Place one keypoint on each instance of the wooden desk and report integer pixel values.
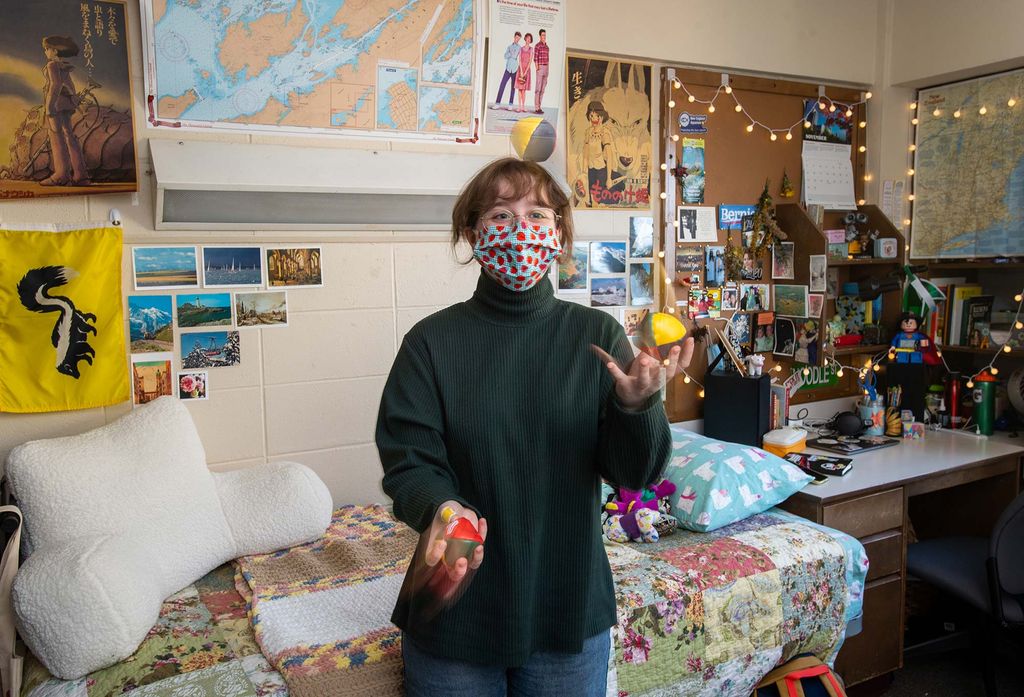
(945, 484)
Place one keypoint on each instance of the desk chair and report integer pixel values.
(986, 574)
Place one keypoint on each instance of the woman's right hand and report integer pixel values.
(436, 545)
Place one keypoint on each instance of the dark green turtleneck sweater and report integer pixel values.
(499, 403)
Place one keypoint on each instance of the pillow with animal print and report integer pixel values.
(718, 483)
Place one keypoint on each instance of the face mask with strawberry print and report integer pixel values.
(517, 254)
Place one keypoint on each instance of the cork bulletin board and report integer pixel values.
(737, 163)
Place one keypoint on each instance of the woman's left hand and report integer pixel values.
(636, 382)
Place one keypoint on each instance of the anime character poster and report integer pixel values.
(525, 58)
(65, 99)
(608, 144)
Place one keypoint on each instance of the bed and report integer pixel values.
(699, 614)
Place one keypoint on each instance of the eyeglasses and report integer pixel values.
(497, 216)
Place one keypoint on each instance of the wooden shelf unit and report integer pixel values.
(985, 272)
(810, 239)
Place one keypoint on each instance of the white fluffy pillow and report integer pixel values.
(121, 517)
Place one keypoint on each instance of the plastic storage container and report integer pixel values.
(782, 441)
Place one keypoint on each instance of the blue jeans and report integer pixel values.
(546, 674)
(501, 88)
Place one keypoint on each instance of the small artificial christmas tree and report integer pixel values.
(766, 232)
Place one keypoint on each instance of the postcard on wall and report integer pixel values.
(573, 269)
(753, 266)
(764, 334)
(730, 297)
(262, 309)
(692, 162)
(832, 283)
(785, 337)
(714, 266)
(697, 224)
(151, 377)
(608, 292)
(294, 267)
(790, 301)
(66, 109)
(689, 259)
(739, 329)
(525, 58)
(701, 303)
(608, 142)
(607, 257)
(815, 305)
(206, 349)
(150, 323)
(232, 266)
(806, 349)
(193, 385)
(641, 283)
(641, 236)
(754, 297)
(819, 266)
(631, 320)
(163, 268)
(783, 260)
(203, 310)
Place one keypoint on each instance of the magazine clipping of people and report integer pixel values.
(525, 60)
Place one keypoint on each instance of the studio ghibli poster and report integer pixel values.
(65, 99)
(608, 148)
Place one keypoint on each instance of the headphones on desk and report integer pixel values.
(846, 423)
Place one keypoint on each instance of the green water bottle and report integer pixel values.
(984, 396)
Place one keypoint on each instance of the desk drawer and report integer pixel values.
(878, 648)
(885, 552)
(867, 515)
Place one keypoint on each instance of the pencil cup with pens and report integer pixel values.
(893, 422)
(871, 408)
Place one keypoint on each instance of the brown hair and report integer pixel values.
(523, 178)
(65, 45)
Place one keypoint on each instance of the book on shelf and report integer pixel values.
(954, 321)
(976, 321)
(935, 325)
(779, 406)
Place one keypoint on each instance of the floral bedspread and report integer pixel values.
(699, 614)
(201, 646)
(711, 613)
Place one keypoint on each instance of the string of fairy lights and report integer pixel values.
(824, 104)
(827, 104)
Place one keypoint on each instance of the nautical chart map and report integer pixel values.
(385, 67)
(969, 169)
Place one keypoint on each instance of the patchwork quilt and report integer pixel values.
(699, 614)
(710, 613)
(202, 646)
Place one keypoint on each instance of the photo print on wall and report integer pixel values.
(150, 323)
(608, 257)
(641, 237)
(573, 269)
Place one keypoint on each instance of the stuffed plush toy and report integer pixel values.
(121, 517)
(636, 515)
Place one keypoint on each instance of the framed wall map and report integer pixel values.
(969, 169)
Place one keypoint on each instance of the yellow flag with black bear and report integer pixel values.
(61, 323)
